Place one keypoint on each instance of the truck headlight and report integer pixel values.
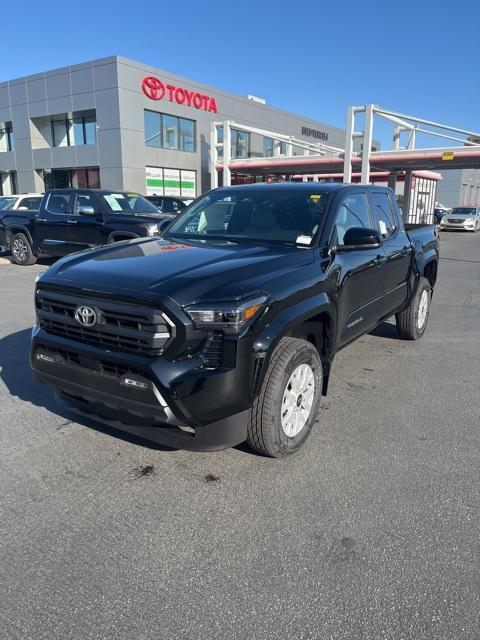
(229, 317)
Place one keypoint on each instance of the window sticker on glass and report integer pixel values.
(315, 196)
(118, 196)
(383, 227)
(303, 239)
(114, 205)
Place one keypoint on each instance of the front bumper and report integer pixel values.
(463, 226)
(180, 404)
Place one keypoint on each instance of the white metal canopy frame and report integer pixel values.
(322, 159)
(403, 123)
(318, 149)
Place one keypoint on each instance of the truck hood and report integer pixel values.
(186, 272)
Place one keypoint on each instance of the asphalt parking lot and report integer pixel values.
(370, 531)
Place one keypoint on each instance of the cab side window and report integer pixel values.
(352, 212)
(59, 203)
(385, 218)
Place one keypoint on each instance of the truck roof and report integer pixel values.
(303, 186)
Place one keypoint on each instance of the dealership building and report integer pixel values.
(119, 124)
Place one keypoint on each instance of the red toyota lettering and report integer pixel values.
(180, 95)
(171, 89)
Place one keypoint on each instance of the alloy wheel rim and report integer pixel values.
(297, 400)
(19, 249)
(422, 309)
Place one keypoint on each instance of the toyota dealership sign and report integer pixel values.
(155, 89)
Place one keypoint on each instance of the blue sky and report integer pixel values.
(311, 57)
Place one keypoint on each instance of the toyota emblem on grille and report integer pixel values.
(86, 316)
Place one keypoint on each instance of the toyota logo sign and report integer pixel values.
(86, 316)
(153, 88)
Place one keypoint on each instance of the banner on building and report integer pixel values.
(170, 182)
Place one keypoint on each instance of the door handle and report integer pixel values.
(72, 221)
(41, 219)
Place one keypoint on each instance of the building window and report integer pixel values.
(268, 147)
(8, 183)
(66, 129)
(82, 178)
(6, 136)
(169, 132)
(240, 144)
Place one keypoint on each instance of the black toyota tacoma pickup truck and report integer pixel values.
(225, 329)
(70, 220)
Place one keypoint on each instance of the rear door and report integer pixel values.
(357, 274)
(85, 230)
(53, 223)
(397, 247)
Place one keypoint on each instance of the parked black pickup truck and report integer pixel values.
(225, 329)
(70, 220)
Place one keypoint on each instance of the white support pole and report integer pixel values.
(396, 138)
(347, 160)
(289, 149)
(367, 143)
(411, 139)
(213, 156)
(227, 152)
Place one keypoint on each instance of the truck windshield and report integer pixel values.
(266, 215)
(7, 203)
(128, 203)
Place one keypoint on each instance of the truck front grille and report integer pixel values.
(119, 326)
(103, 367)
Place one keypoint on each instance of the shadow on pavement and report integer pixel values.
(385, 330)
(16, 374)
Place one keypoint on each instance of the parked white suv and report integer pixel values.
(21, 202)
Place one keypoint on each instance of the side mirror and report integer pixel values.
(360, 238)
(163, 224)
(86, 211)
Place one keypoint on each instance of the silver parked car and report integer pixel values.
(466, 218)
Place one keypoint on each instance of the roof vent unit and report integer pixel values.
(256, 99)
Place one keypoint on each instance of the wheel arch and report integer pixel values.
(313, 320)
(18, 228)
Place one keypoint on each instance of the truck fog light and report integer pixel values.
(136, 383)
(43, 356)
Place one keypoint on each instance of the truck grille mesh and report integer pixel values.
(119, 326)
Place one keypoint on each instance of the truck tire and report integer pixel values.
(285, 410)
(21, 250)
(412, 321)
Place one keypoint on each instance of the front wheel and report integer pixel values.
(21, 250)
(284, 412)
(412, 321)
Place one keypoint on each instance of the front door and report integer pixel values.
(53, 223)
(86, 230)
(358, 274)
(398, 251)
